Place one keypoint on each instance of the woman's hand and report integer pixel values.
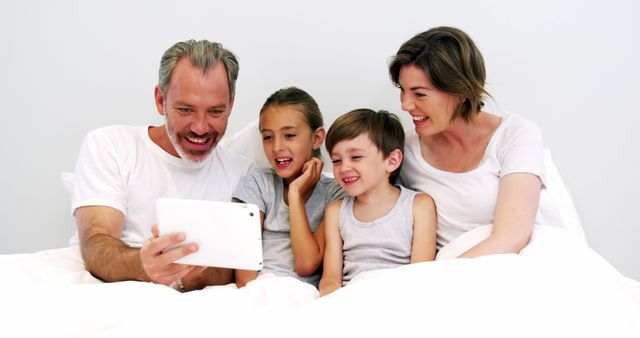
(518, 200)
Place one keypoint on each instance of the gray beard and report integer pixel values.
(176, 144)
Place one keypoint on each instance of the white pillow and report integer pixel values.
(248, 143)
(556, 203)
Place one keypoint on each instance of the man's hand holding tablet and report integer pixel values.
(228, 234)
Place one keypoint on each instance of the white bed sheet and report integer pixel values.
(556, 287)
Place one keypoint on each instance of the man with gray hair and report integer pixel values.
(122, 170)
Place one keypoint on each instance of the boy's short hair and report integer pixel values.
(384, 129)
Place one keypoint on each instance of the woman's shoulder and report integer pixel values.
(512, 122)
(516, 128)
(519, 141)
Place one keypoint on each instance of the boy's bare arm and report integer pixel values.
(332, 266)
(423, 247)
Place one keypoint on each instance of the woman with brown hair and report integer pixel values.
(481, 169)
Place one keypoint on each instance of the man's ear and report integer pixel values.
(159, 98)
(318, 138)
(394, 160)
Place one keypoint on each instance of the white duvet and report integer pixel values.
(557, 287)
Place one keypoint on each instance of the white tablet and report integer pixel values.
(228, 234)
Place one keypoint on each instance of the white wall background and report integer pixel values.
(67, 67)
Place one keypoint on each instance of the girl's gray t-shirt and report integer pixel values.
(264, 188)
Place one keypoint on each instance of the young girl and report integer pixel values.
(293, 194)
(379, 225)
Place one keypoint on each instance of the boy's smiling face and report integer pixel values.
(359, 166)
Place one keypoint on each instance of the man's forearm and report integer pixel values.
(110, 260)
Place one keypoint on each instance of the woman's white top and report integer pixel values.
(467, 200)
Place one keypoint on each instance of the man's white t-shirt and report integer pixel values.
(121, 167)
(468, 200)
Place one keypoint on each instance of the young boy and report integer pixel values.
(379, 225)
